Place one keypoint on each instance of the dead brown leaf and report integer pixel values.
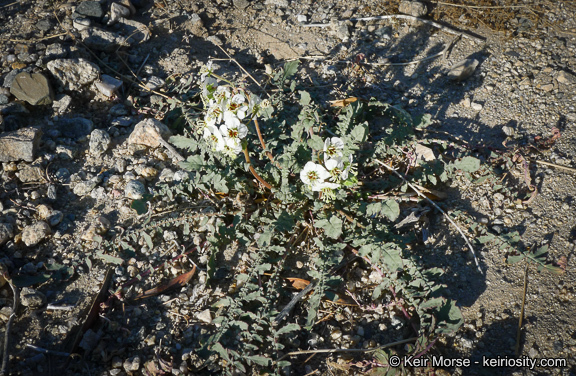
(179, 281)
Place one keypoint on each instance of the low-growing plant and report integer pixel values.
(289, 180)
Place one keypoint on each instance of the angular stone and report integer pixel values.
(33, 88)
(147, 132)
(74, 73)
(413, 8)
(101, 40)
(108, 85)
(118, 11)
(90, 9)
(19, 145)
(35, 233)
(463, 69)
(99, 142)
(566, 78)
(135, 190)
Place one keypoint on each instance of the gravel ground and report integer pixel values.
(76, 181)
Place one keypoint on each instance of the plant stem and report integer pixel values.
(268, 153)
(253, 171)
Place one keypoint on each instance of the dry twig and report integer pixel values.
(438, 208)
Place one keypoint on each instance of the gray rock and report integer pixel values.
(19, 145)
(82, 23)
(101, 40)
(84, 187)
(566, 78)
(31, 174)
(61, 103)
(74, 73)
(99, 142)
(31, 298)
(132, 364)
(6, 232)
(35, 233)
(44, 25)
(463, 69)
(75, 127)
(108, 85)
(51, 193)
(241, 4)
(278, 3)
(155, 83)
(66, 152)
(413, 8)
(63, 175)
(117, 12)
(146, 133)
(90, 9)
(55, 51)
(134, 190)
(9, 78)
(4, 99)
(33, 88)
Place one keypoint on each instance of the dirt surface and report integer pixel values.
(523, 87)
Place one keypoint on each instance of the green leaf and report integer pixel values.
(360, 132)
(285, 222)
(290, 69)
(217, 347)
(485, 238)
(304, 98)
(540, 251)
(467, 164)
(193, 163)
(390, 209)
(450, 317)
(140, 206)
(332, 228)
(260, 360)
(287, 329)
(315, 142)
(515, 259)
(110, 259)
(423, 121)
(148, 240)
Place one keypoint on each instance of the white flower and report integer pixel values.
(233, 146)
(213, 114)
(234, 130)
(314, 175)
(333, 147)
(214, 137)
(337, 168)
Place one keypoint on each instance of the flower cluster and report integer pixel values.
(329, 175)
(226, 109)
